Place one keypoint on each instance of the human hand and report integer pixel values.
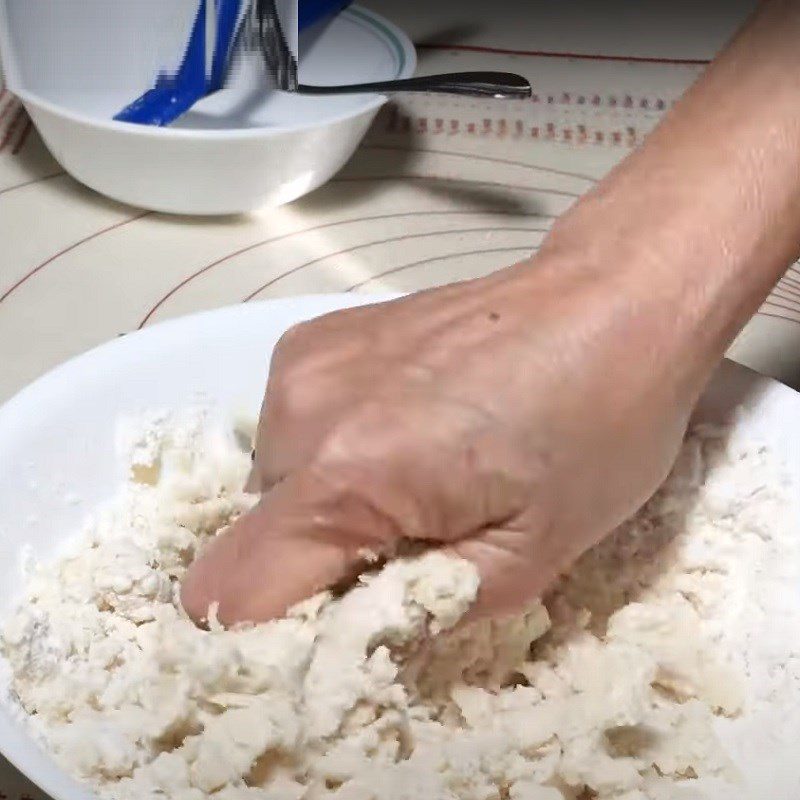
(518, 418)
(513, 420)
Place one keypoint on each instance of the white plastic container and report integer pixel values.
(76, 64)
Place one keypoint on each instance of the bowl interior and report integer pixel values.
(57, 437)
(92, 57)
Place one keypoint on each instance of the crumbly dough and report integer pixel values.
(612, 691)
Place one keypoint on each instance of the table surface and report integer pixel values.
(440, 190)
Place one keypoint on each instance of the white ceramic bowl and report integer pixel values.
(57, 440)
(76, 64)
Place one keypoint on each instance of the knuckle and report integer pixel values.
(294, 336)
(292, 373)
(292, 394)
(368, 431)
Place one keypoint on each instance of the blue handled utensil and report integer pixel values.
(310, 12)
(202, 70)
(214, 36)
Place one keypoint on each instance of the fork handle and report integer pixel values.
(471, 84)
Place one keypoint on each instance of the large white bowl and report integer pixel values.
(57, 442)
(76, 64)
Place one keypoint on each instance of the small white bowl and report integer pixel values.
(75, 65)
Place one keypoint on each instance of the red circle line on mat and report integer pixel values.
(282, 237)
(69, 249)
(779, 311)
(31, 182)
(476, 157)
(23, 137)
(427, 261)
(13, 125)
(391, 240)
(208, 267)
(470, 48)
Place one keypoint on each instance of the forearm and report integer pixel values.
(700, 222)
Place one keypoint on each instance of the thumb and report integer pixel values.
(304, 536)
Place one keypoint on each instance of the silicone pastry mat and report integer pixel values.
(441, 190)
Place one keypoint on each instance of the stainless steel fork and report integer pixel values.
(268, 35)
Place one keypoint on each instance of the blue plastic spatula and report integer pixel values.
(214, 35)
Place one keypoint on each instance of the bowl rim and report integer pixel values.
(18, 742)
(396, 36)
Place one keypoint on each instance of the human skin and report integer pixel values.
(517, 419)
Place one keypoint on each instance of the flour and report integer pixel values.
(631, 684)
